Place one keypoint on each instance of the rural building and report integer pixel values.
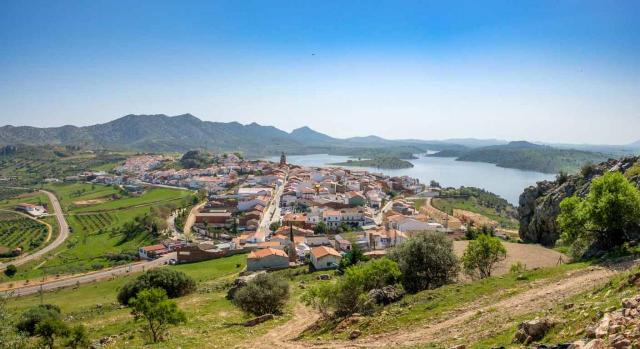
(323, 257)
(267, 259)
(152, 252)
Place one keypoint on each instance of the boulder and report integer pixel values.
(596, 344)
(532, 330)
(354, 334)
(386, 295)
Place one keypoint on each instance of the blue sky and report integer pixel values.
(558, 71)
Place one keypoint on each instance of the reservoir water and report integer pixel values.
(506, 182)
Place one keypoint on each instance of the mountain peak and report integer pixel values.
(305, 133)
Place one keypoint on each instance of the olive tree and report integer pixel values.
(426, 261)
(153, 307)
(482, 255)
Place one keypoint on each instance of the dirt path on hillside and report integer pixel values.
(284, 336)
(454, 326)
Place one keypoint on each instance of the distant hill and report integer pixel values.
(528, 156)
(305, 134)
(162, 133)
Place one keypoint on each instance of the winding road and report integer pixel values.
(27, 287)
(63, 234)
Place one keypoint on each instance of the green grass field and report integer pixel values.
(209, 315)
(470, 204)
(95, 241)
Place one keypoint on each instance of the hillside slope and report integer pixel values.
(539, 205)
(527, 156)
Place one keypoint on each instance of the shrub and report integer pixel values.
(36, 315)
(11, 270)
(426, 261)
(173, 282)
(607, 217)
(517, 268)
(350, 294)
(482, 255)
(264, 294)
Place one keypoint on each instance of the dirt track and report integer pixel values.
(450, 327)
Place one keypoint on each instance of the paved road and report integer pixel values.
(380, 215)
(89, 277)
(269, 215)
(63, 234)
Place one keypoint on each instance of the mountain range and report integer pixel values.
(162, 133)
(157, 133)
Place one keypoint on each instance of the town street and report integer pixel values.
(63, 233)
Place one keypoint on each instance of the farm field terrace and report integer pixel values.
(97, 239)
(19, 231)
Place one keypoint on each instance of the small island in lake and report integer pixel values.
(381, 162)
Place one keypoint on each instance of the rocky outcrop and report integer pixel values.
(386, 295)
(539, 205)
(533, 330)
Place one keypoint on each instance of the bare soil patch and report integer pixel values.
(90, 202)
(533, 256)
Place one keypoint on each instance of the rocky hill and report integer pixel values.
(539, 205)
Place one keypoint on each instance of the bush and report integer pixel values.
(34, 316)
(264, 294)
(482, 255)
(174, 283)
(11, 270)
(426, 261)
(518, 268)
(350, 294)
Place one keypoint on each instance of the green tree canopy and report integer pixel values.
(607, 217)
(482, 255)
(264, 294)
(426, 261)
(174, 283)
(158, 312)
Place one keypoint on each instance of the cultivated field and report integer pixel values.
(19, 231)
(97, 239)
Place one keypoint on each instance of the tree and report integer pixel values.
(482, 255)
(154, 307)
(9, 336)
(352, 258)
(11, 270)
(49, 329)
(36, 315)
(77, 337)
(264, 294)
(426, 261)
(607, 217)
(321, 228)
(173, 282)
(274, 226)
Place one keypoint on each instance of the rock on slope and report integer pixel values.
(540, 204)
